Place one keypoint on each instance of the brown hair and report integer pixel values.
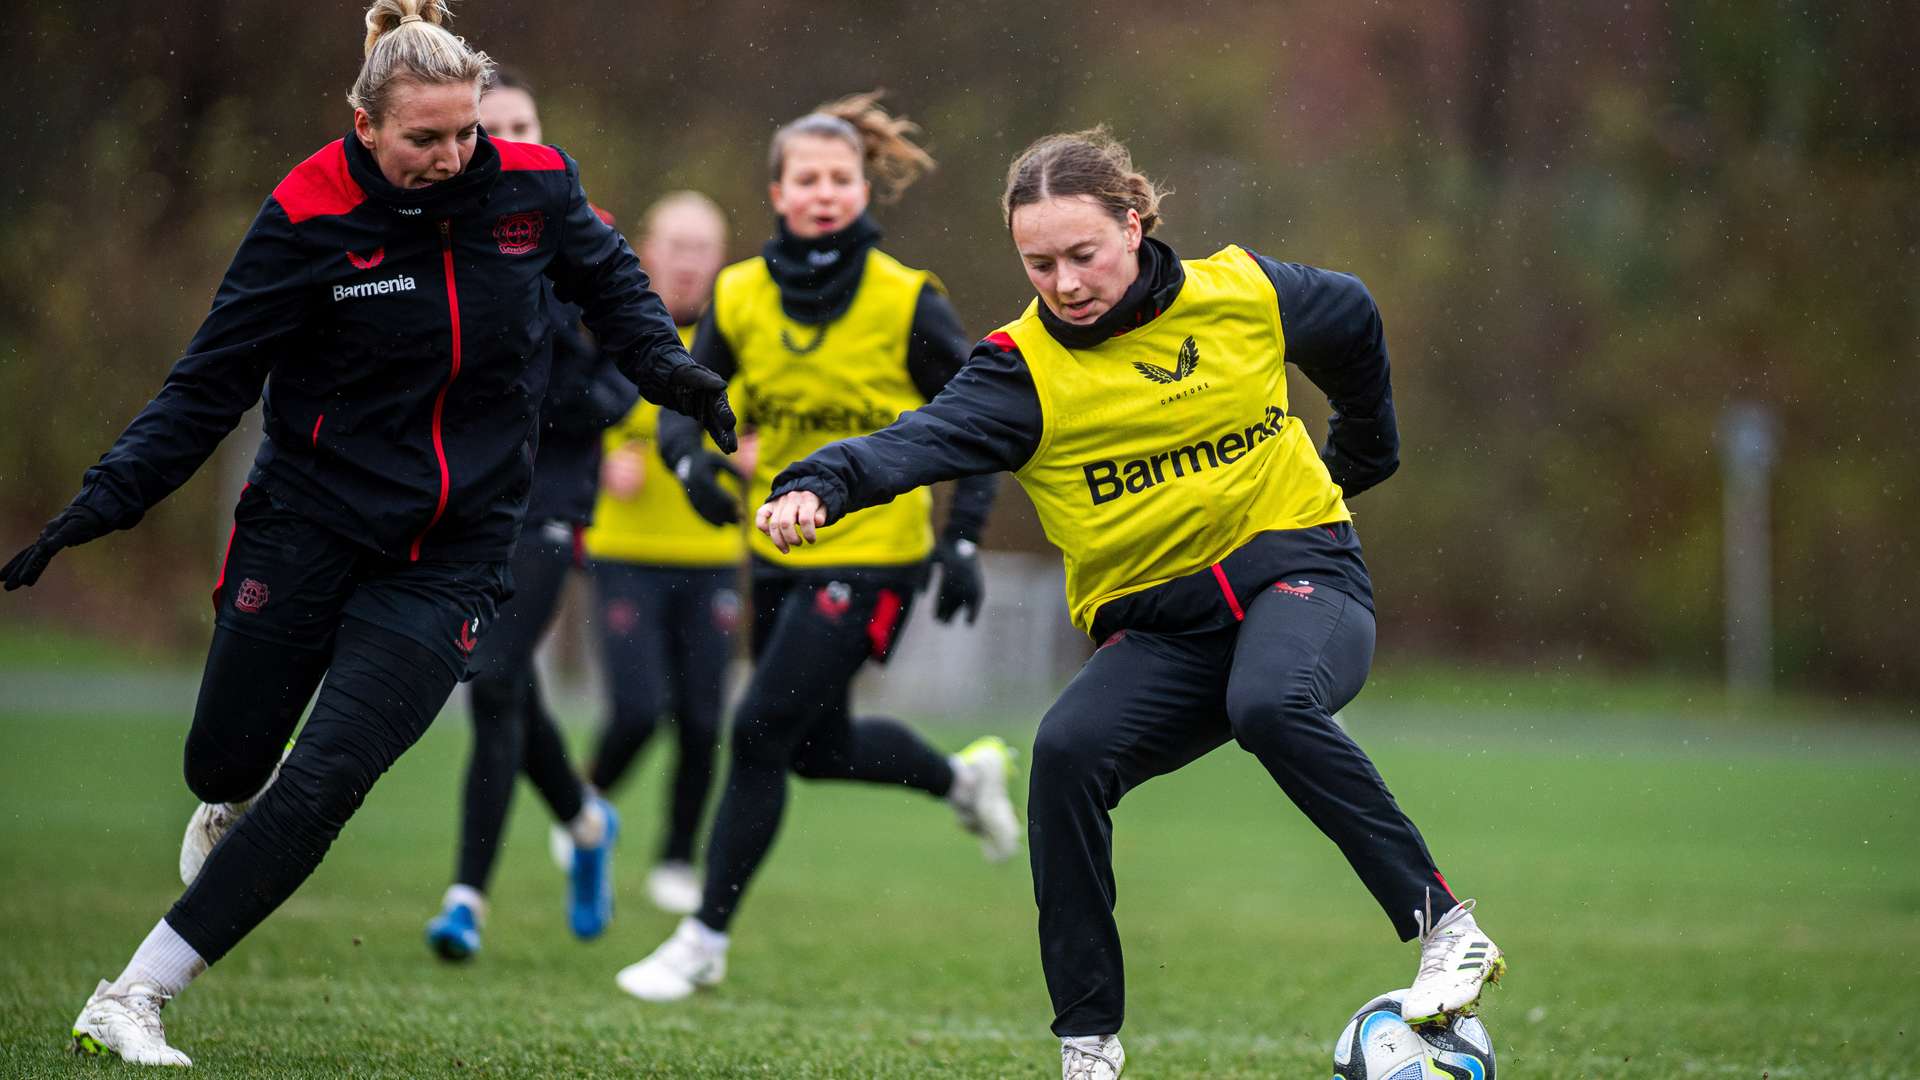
(405, 40)
(888, 153)
(1091, 163)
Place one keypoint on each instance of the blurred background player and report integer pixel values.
(826, 336)
(370, 543)
(1142, 402)
(665, 578)
(513, 732)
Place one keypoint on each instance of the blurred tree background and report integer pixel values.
(1589, 228)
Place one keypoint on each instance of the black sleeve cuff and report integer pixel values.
(801, 477)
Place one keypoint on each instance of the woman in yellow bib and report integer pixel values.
(1141, 401)
(664, 577)
(824, 336)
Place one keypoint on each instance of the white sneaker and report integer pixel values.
(979, 797)
(674, 888)
(127, 1026)
(1091, 1057)
(1457, 961)
(694, 957)
(560, 846)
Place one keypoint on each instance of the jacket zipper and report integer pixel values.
(440, 399)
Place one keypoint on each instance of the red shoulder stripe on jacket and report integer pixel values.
(602, 214)
(528, 156)
(1002, 340)
(319, 186)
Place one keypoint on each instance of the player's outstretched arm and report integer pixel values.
(258, 311)
(986, 420)
(596, 269)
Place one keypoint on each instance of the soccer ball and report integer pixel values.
(1378, 1045)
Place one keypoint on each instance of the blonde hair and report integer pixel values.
(406, 41)
(674, 200)
(892, 160)
(1091, 163)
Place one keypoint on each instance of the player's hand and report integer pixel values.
(623, 473)
(962, 587)
(791, 519)
(700, 473)
(701, 394)
(73, 526)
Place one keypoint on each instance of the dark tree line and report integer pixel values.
(1590, 228)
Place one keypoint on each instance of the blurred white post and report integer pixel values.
(1749, 445)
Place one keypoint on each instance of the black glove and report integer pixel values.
(71, 527)
(699, 393)
(700, 473)
(961, 584)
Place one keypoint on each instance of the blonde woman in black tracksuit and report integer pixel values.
(389, 297)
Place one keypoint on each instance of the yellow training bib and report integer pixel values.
(657, 526)
(1166, 448)
(802, 387)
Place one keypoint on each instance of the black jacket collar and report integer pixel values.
(1161, 276)
(462, 194)
(819, 277)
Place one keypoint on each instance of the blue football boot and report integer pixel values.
(590, 882)
(454, 934)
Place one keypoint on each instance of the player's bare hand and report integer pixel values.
(791, 519)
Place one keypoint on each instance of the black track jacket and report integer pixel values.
(402, 339)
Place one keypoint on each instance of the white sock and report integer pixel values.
(710, 939)
(164, 961)
(589, 827)
(468, 895)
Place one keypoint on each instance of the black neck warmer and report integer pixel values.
(453, 197)
(1161, 276)
(818, 277)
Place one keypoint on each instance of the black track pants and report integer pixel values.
(1147, 704)
(667, 633)
(512, 729)
(809, 641)
(381, 692)
(295, 601)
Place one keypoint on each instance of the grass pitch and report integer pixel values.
(1679, 896)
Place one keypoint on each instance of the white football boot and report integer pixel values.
(1091, 1057)
(1457, 961)
(127, 1026)
(979, 796)
(674, 888)
(210, 822)
(693, 958)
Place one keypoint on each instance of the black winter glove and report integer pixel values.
(699, 393)
(961, 585)
(700, 473)
(70, 528)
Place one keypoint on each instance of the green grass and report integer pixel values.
(1681, 898)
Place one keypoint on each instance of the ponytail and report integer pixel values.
(406, 39)
(888, 152)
